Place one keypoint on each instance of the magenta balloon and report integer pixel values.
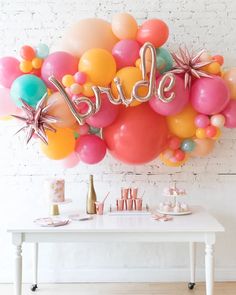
(177, 104)
(70, 161)
(106, 115)
(209, 95)
(230, 114)
(126, 52)
(90, 148)
(202, 121)
(58, 64)
(7, 106)
(9, 70)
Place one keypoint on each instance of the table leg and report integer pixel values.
(209, 268)
(192, 255)
(18, 270)
(35, 268)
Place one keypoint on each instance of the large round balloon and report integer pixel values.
(177, 104)
(209, 95)
(90, 148)
(60, 110)
(99, 65)
(230, 114)
(29, 88)
(106, 115)
(182, 124)
(137, 136)
(128, 77)
(87, 34)
(60, 144)
(9, 70)
(7, 106)
(58, 64)
(153, 30)
(124, 26)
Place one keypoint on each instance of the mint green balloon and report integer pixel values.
(164, 55)
(29, 88)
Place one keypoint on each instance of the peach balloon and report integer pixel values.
(99, 65)
(203, 147)
(124, 26)
(230, 79)
(60, 110)
(87, 34)
(128, 77)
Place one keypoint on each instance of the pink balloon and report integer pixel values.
(202, 121)
(71, 161)
(84, 129)
(209, 95)
(58, 64)
(90, 148)
(177, 104)
(230, 114)
(126, 52)
(7, 106)
(9, 70)
(106, 115)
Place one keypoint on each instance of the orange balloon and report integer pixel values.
(60, 110)
(124, 26)
(87, 34)
(230, 79)
(212, 68)
(128, 77)
(203, 147)
(60, 143)
(182, 124)
(99, 65)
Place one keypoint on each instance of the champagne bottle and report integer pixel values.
(91, 197)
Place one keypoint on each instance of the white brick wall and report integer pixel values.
(210, 181)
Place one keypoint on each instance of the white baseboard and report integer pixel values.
(120, 275)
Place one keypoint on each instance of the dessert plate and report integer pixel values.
(175, 213)
(52, 221)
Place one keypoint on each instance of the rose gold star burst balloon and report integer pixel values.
(36, 120)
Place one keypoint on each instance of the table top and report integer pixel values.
(199, 221)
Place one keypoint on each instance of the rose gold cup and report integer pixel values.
(99, 208)
(134, 192)
(129, 204)
(120, 205)
(139, 204)
(124, 193)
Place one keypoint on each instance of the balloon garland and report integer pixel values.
(114, 87)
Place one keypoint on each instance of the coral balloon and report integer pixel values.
(126, 52)
(9, 70)
(106, 115)
(60, 110)
(90, 148)
(128, 77)
(58, 64)
(124, 26)
(155, 31)
(60, 144)
(211, 131)
(230, 79)
(230, 114)
(87, 34)
(203, 147)
(137, 136)
(177, 104)
(182, 124)
(179, 155)
(209, 95)
(71, 161)
(172, 161)
(174, 143)
(7, 107)
(99, 65)
(29, 88)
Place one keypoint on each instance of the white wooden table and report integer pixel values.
(198, 227)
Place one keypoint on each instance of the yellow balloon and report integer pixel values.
(168, 162)
(201, 133)
(182, 124)
(60, 143)
(128, 77)
(87, 89)
(6, 118)
(99, 65)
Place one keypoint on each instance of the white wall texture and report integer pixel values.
(210, 182)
